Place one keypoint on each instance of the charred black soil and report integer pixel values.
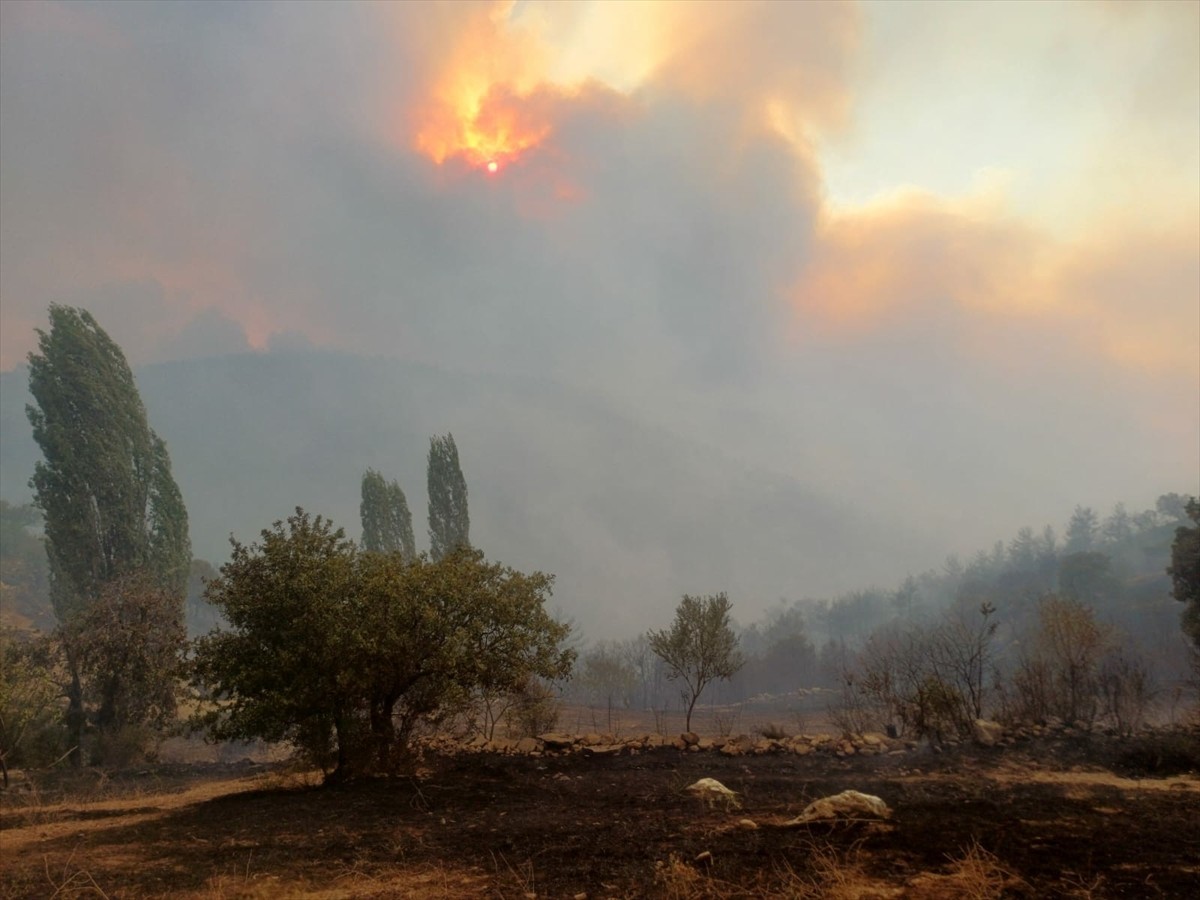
(1045, 821)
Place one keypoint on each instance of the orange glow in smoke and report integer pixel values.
(487, 102)
(484, 126)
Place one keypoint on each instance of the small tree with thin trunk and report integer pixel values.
(699, 647)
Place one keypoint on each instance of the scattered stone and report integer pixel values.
(846, 805)
(603, 750)
(690, 738)
(527, 745)
(713, 792)
(986, 732)
(704, 856)
(554, 741)
(748, 824)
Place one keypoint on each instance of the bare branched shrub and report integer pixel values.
(486, 710)
(1126, 689)
(927, 681)
(773, 731)
(856, 711)
(725, 721)
(1058, 672)
(535, 710)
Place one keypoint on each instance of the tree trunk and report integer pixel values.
(75, 716)
(383, 729)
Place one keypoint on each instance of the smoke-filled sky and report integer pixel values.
(940, 259)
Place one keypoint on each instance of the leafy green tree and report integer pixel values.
(110, 503)
(1173, 507)
(129, 643)
(605, 676)
(1185, 571)
(343, 652)
(104, 485)
(1082, 530)
(699, 647)
(386, 520)
(29, 697)
(1087, 577)
(449, 520)
(1118, 527)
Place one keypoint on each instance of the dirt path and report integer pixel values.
(24, 824)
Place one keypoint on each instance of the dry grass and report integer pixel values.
(979, 875)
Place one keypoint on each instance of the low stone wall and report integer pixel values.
(555, 744)
(985, 734)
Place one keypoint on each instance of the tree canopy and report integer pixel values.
(386, 519)
(449, 520)
(700, 646)
(343, 652)
(1185, 570)
(110, 503)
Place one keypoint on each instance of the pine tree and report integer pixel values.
(449, 521)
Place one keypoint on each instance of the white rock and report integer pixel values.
(846, 805)
(712, 792)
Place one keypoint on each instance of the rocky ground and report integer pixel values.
(1061, 813)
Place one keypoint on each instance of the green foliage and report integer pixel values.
(128, 646)
(30, 702)
(449, 520)
(1087, 577)
(343, 652)
(112, 509)
(104, 485)
(386, 519)
(1082, 530)
(605, 676)
(699, 647)
(1185, 571)
(535, 709)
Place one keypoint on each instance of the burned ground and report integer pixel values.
(1045, 820)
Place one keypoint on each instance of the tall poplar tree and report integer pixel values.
(111, 506)
(449, 521)
(386, 519)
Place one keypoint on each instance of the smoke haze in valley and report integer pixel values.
(778, 299)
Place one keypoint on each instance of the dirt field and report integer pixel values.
(1036, 821)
